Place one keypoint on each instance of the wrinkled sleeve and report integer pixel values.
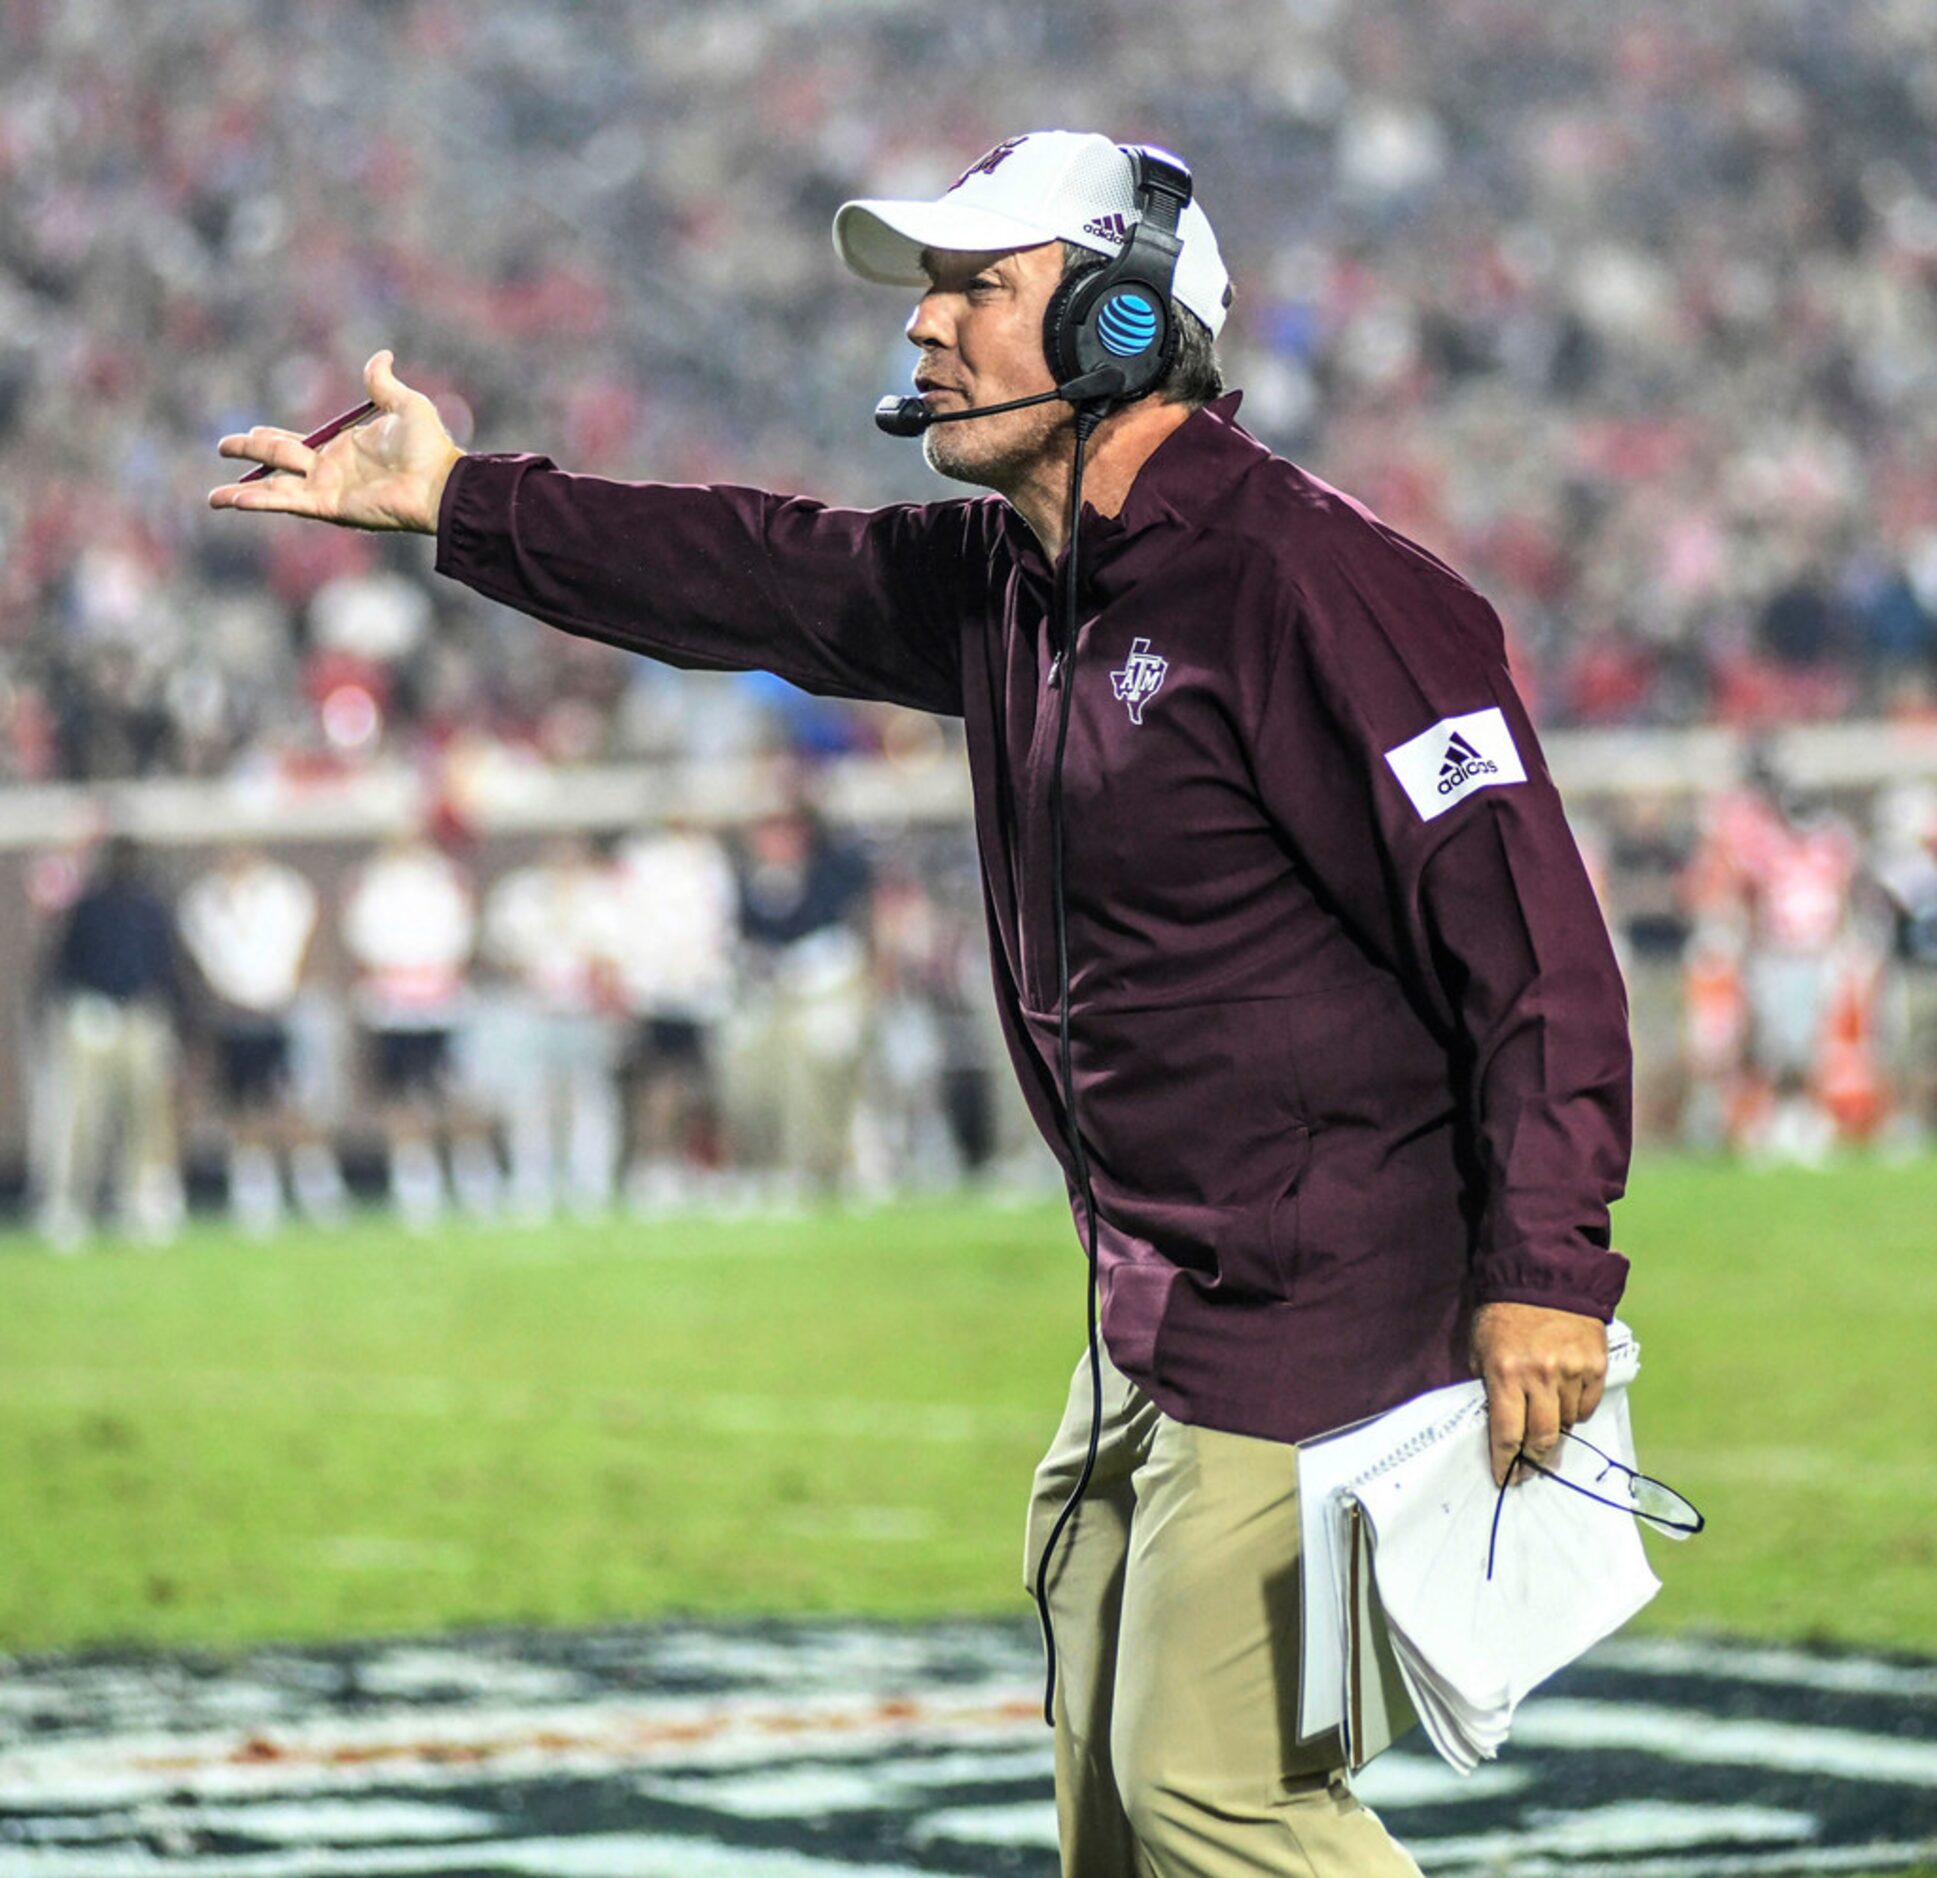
(1397, 759)
(847, 603)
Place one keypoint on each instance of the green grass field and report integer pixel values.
(371, 1433)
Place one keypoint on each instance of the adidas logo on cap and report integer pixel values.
(1109, 228)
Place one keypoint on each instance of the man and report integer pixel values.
(114, 980)
(249, 924)
(1347, 1036)
(801, 1029)
(675, 916)
(409, 925)
(549, 926)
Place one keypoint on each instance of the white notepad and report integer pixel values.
(1401, 1508)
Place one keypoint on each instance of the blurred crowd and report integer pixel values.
(1629, 313)
(1626, 312)
(1780, 951)
(675, 1018)
(790, 1012)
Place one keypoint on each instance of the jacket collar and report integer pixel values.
(1179, 484)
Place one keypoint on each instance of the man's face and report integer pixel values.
(979, 327)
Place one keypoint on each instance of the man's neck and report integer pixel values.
(1122, 445)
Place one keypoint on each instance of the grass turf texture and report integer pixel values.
(370, 1433)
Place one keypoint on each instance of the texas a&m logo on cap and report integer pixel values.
(989, 163)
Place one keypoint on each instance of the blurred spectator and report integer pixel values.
(1774, 888)
(248, 924)
(1906, 870)
(553, 927)
(906, 1130)
(1627, 312)
(114, 995)
(800, 1029)
(1647, 851)
(677, 929)
(409, 926)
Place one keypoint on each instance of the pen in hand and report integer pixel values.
(335, 427)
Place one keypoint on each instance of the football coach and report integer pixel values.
(1294, 953)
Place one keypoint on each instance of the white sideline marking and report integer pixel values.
(280, 1822)
(1026, 1823)
(1412, 1779)
(1713, 1741)
(1840, 1675)
(340, 1822)
(1794, 1864)
(797, 1792)
(609, 1855)
(417, 1670)
(1628, 1826)
(787, 1793)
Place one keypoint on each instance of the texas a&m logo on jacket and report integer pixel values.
(1137, 682)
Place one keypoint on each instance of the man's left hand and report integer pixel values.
(1543, 1372)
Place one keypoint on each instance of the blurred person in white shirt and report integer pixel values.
(678, 917)
(555, 927)
(248, 924)
(410, 928)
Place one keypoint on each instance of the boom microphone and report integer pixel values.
(909, 417)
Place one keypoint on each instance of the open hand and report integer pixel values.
(387, 473)
(1543, 1371)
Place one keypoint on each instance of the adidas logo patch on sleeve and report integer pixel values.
(1458, 755)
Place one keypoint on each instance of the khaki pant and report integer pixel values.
(1174, 1593)
(112, 1063)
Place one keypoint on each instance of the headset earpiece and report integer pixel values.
(1095, 319)
(1118, 313)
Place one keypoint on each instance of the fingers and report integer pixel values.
(1543, 1422)
(276, 495)
(1506, 1417)
(387, 391)
(1544, 1371)
(276, 449)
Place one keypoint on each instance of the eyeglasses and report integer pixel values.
(1643, 1496)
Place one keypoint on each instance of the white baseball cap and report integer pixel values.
(1047, 185)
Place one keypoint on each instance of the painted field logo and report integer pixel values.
(1137, 682)
(1461, 764)
(891, 1751)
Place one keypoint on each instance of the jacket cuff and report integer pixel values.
(1586, 1280)
(474, 513)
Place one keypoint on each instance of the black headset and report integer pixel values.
(1110, 336)
(1113, 321)
(1118, 313)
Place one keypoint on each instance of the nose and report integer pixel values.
(928, 325)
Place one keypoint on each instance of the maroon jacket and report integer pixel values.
(1349, 1039)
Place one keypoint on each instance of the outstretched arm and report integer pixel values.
(843, 602)
(388, 473)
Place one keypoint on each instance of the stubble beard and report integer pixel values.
(994, 454)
